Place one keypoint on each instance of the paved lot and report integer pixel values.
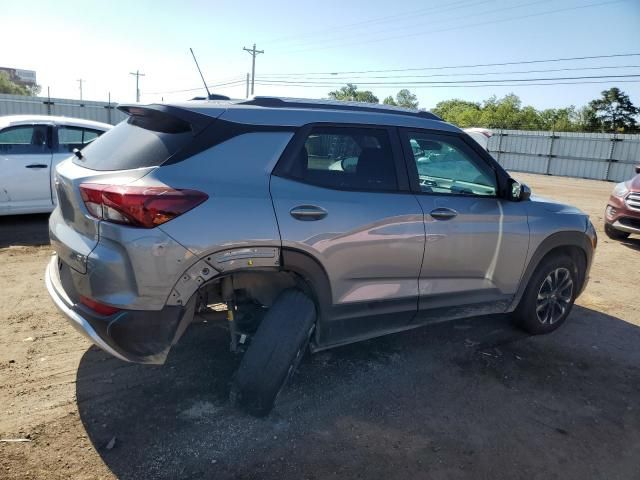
(469, 399)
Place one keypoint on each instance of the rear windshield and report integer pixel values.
(134, 144)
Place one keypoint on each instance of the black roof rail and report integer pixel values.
(278, 102)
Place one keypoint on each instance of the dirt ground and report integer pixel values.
(469, 399)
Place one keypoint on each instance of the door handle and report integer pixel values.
(37, 165)
(443, 213)
(308, 213)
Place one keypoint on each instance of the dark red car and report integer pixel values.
(622, 217)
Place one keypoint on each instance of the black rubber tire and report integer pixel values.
(274, 353)
(614, 234)
(525, 314)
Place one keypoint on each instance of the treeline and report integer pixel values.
(612, 112)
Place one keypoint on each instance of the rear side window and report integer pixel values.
(75, 137)
(135, 143)
(346, 158)
(25, 139)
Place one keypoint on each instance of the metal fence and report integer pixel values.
(99, 111)
(599, 156)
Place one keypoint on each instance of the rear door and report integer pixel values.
(476, 242)
(25, 163)
(341, 196)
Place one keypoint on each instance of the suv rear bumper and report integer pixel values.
(130, 335)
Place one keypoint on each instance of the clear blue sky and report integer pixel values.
(101, 42)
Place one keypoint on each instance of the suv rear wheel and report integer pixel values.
(274, 353)
(549, 297)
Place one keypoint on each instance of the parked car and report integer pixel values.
(480, 135)
(30, 148)
(239, 206)
(622, 215)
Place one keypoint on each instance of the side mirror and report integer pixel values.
(637, 168)
(518, 191)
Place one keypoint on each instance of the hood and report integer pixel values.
(554, 206)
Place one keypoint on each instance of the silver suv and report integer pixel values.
(299, 224)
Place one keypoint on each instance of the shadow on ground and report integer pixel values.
(31, 230)
(470, 399)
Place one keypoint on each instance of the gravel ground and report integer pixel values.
(468, 399)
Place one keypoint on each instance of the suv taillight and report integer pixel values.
(144, 207)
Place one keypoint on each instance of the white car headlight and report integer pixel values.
(620, 190)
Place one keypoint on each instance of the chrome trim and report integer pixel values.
(625, 228)
(633, 201)
(64, 303)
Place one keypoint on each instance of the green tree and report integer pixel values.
(390, 101)
(351, 93)
(7, 86)
(404, 98)
(459, 112)
(615, 111)
(586, 120)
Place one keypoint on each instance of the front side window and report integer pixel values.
(346, 158)
(25, 139)
(70, 138)
(446, 165)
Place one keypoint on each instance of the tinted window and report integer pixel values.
(128, 146)
(75, 137)
(346, 158)
(447, 165)
(24, 139)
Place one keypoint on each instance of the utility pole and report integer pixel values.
(253, 52)
(137, 75)
(247, 95)
(80, 80)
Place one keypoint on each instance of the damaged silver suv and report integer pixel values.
(312, 224)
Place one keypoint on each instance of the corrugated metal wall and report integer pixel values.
(98, 111)
(600, 156)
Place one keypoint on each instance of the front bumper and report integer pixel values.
(130, 335)
(621, 217)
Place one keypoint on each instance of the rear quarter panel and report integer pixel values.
(235, 174)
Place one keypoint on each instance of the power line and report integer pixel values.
(482, 85)
(456, 18)
(446, 82)
(386, 19)
(347, 79)
(517, 17)
(451, 67)
(213, 85)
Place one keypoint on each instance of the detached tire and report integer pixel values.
(274, 353)
(549, 296)
(614, 234)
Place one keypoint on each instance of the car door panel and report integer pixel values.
(476, 242)
(25, 162)
(370, 244)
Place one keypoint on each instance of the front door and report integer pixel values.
(341, 196)
(25, 166)
(476, 242)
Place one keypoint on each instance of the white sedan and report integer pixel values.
(30, 148)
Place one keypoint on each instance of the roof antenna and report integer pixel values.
(201, 76)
